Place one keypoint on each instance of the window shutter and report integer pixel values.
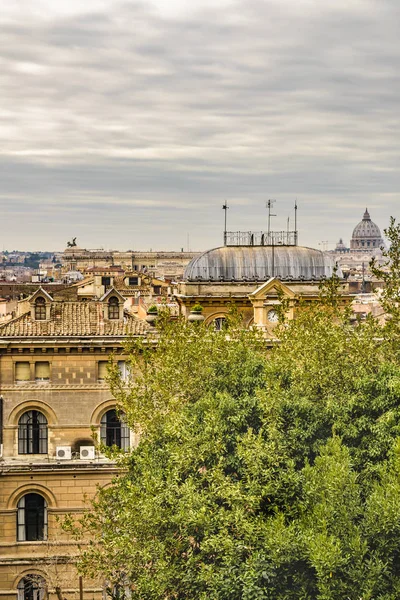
(102, 372)
(42, 371)
(22, 371)
(21, 533)
(122, 369)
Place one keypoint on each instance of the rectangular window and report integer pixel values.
(102, 370)
(157, 289)
(106, 281)
(22, 371)
(123, 369)
(133, 280)
(42, 371)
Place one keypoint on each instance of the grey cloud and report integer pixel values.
(257, 99)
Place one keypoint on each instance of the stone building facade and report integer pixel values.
(169, 265)
(53, 362)
(354, 259)
(254, 278)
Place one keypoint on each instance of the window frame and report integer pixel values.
(37, 585)
(19, 362)
(31, 518)
(219, 323)
(114, 431)
(42, 379)
(33, 437)
(40, 309)
(113, 309)
(104, 364)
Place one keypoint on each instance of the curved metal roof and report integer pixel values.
(260, 263)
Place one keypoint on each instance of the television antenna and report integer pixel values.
(225, 208)
(270, 203)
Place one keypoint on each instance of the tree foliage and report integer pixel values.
(259, 474)
(389, 273)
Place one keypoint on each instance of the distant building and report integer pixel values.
(366, 243)
(341, 247)
(366, 235)
(254, 276)
(169, 265)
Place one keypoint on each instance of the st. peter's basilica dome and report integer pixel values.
(366, 234)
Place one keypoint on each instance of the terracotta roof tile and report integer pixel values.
(74, 319)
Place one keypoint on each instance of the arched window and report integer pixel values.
(32, 433)
(113, 308)
(31, 587)
(219, 323)
(32, 518)
(113, 431)
(40, 309)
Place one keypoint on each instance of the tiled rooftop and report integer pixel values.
(74, 319)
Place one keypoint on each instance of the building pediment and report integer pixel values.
(40, 292)
(272, 287)
(112, 292)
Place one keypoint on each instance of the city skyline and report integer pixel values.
(130, 124)
(275, 218)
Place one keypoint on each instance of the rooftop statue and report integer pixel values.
(72, 244)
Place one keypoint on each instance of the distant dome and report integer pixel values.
(366, 234)
(340, 246)
(260, 263)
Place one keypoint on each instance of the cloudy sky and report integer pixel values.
(128, 124)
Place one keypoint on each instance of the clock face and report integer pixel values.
(272, 316)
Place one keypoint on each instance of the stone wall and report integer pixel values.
(73, 402)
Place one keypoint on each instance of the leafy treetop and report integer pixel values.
(259, 475)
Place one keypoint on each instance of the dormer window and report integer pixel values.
(113, 308)
(40, 309)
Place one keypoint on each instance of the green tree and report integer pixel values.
(33, 260)
(389, 273)
(259, 474)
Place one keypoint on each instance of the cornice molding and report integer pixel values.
(62, 386)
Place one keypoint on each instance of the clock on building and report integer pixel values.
(272, 316)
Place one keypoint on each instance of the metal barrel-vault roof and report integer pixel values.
(260, 263)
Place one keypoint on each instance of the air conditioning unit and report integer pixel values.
(86, 453)
(63, 452)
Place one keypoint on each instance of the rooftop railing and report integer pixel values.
(260, 238)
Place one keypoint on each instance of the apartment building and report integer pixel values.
(54, 397)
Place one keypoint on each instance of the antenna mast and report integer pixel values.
(225, 208)
(295, 224)
(269, 206)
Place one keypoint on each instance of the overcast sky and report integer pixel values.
(129, 124)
